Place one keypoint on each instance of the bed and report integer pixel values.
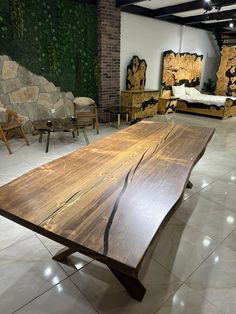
(191, 100)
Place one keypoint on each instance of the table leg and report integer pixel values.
(63, 254)
(73, 133)
(110, 119)
(85, 136)
(127, 118)
(48, 139)
(118, 120)
(40, 137)
(189, 184)
(132, 285)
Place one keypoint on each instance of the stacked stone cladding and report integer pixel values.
(30, 95)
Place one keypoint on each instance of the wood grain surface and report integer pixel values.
(109, 199)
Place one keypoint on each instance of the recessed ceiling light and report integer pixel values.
(231, 24)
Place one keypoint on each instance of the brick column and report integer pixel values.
(108, 19)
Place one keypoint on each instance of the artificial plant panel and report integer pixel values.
(58, 40)
(179, 68)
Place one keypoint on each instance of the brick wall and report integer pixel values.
(109, 52)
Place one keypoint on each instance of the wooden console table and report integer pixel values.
(144, 102)
(110, 199)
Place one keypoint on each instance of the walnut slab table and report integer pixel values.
(110, 199)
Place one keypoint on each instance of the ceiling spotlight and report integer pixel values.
(207, 6)
(231, 24)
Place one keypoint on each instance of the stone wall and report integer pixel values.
(31, 95)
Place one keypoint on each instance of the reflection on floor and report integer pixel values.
(193, 268)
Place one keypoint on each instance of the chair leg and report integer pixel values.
(22, 132)
(96, 122)
(5, 141)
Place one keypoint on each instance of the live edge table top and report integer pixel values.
(109, 199)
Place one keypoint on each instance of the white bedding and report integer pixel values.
(206, 99)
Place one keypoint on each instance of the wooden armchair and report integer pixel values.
(85, 109)
(13, 122)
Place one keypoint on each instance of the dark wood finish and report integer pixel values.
(6, 128)
(110, 199)
(60, 125)
(63, 254)
(189, 185)
(132, 285)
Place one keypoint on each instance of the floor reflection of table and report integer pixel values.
(110, 200)
(69, 124)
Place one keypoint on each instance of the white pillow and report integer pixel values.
(179, 90)
(191, 91)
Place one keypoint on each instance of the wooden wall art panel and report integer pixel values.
(179, 68)
(136, 74)
(226, 75)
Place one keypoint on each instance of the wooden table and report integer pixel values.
(118, 110)
(110, 199)
(60, 125)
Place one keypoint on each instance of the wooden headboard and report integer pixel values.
(180, 68)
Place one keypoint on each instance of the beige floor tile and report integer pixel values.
(215, 279)
(182, 248)
(11, 233)
(26, 271)
(64, 298)
(230, 241)
(221, 192)
(212, 219)
(107, 295)
(186, 301)
(73, 263)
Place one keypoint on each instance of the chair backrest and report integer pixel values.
(83, 101)
(12, 115)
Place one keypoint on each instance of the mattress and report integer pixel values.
(208, 100)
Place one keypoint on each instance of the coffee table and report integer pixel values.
(69, 124)
(118, 110)
(111, 199)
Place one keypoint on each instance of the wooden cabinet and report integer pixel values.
(167, 104)
(146, 101)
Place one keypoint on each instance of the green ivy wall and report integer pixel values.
(53, 38)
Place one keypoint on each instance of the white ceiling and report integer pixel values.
(156, 4)
(201, 11)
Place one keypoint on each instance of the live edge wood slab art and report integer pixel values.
(110, 199)
(226, 75)
(179, 68)
(136, 74)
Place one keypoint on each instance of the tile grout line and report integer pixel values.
(38, 296)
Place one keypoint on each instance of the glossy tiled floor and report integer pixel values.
(193, 267)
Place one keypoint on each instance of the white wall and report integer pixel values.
(149, 38)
